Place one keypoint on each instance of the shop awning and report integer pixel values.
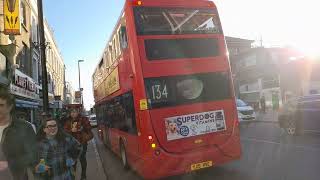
(26, 104)
(51, 104)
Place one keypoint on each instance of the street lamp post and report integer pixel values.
(79, 61)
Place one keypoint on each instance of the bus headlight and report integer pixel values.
(190, 88)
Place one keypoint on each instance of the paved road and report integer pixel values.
(267, 154)
(95, 170)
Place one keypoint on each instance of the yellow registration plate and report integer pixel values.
(201, 165)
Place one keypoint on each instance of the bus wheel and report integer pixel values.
(123, 154)
(290, 126)
(106, 140)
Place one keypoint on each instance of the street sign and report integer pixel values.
(11, 10)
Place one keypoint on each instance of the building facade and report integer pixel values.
(34, 44)
(235, 47)
(300, 77)
(238, 45)
(69, 93)
(7, 50)
(17, 55)
(20, 63)
(55, 65)
(257, 73)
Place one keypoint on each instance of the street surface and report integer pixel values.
(95, 169)
(268, 154)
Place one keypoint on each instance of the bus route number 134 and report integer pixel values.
(159, 92)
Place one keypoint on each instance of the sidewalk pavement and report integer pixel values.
(95, 171)
(269, 116)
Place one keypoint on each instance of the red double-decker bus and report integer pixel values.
(163, 91)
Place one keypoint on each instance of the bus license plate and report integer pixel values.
(201, 165)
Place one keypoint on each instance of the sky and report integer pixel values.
(82, 28)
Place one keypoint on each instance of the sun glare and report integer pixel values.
(312, 52)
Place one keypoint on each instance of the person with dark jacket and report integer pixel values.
(79, 127)
(18, 141)
(57, 152)
(263, 104)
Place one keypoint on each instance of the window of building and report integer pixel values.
(35, 69)
(40, 73)
(250, 60)
(233, 51)
(23, 14)
(56, 63)
(270, 82)
(34, 31)
(48, 56)
(249, 87)
(22, 59)
(3, 66)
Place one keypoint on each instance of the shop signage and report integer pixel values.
(11, 10)
(23, 85)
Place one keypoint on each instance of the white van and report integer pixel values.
(93, 120)
(245, 112)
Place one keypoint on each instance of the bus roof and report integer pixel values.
(149, 2)
(164, 3)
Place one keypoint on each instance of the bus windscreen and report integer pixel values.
(166, 21)
(165, 49)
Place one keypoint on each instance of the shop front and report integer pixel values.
(27, 96)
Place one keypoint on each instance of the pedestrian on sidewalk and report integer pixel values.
(58, 152)
(79, 127)
(17, 153)
(263, 104)
(275, 102)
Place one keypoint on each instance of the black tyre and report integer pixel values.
(106, 139)
(290, 126)
(123, 155)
